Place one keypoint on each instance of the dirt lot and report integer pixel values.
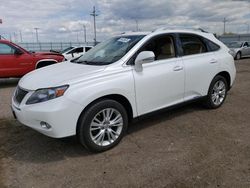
(186, 147)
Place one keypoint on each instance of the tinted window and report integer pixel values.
(192, 44)
(246, 44)
(76, 50)
(6, 49)
(163, 47)
(212, 46)
(87, 49)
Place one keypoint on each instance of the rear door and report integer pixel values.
(200, 65)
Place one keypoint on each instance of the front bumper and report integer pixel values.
(61, 114)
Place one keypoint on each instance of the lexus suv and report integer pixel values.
(96, 95)
(16, 61)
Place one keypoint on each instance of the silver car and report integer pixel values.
(239, 49)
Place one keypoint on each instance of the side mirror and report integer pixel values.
(18, 52)
(143, 57)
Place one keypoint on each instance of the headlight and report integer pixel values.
(42, 95)
(232, 52)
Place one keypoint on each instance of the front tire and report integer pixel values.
(217, 92)
(238, 56)
(102, 125)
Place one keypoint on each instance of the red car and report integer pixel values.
(16, 61)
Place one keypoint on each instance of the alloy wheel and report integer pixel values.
(106, 127)
(218, 93)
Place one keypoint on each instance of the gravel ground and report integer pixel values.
(186, 147)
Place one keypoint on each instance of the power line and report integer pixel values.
(137, 27)
(94, 14)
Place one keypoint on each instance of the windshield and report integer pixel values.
(234, 44)
(67, 49)
(109, 51)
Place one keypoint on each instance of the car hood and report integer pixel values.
(235, 49)
(58, 74)
(47, 55)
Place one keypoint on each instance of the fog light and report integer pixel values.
(45, 125)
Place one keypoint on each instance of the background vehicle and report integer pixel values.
(96, 95)
(16, 61)
(74, 52)
(239, 49)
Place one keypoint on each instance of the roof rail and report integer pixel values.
(174, 27)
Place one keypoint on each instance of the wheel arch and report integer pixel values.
(227, 76)
(224, 74)
(116, 97)
(52, 61)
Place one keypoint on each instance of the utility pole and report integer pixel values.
(94, 15)
(21, 37)
(84, 29)
(224, 21)
(77, 38)
(36, 28)
(15, 37)
(137, 27)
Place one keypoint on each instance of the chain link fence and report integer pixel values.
(229, 38)
(47, 46)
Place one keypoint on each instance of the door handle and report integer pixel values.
(212, 61)
(178, 68)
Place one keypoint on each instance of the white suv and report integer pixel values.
(96, 95)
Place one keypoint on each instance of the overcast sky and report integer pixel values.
(62, 20)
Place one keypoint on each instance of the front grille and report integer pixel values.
(20, 94)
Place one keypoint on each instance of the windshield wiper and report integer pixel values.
(84, 62)
(93, 63)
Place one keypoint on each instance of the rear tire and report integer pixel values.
(217, 93)
(102, 125)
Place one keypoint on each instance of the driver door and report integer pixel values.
(161, 82)
(12, 64)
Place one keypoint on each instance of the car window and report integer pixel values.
(76, 50)
(211, 45)
(79, 50)
(67, 49)
(162, 46)
(6, 49)
(87, 49)
(192, 44)
(246, 44)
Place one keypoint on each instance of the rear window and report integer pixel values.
(192, 44)
(212, 46)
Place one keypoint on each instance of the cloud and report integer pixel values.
(61, 20)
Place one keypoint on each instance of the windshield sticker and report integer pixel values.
(124, 40)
